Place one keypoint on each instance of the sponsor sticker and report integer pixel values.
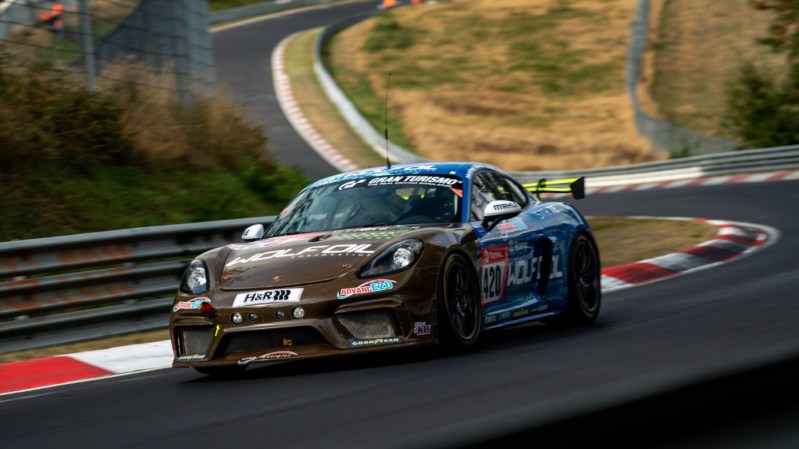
(494, 260)
(343, 249)
(190, 305)
(280, 295)
(277, 355)
(422, 328)
(274, 241)
(375, 342)
(377, 285)
(187, 358)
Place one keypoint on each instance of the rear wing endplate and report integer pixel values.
(575, 186)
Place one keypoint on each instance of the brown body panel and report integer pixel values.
(407, 306)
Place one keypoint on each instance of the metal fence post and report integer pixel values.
(87, 45)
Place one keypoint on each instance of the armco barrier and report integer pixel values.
(78, 287)
(357, 122)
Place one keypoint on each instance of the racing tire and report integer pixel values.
(460, 314)
(584, 290)
(221, 372)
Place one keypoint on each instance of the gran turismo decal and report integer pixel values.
(414, 180)
(375, 342)
(377, 285)
(193, 304)
(494, 261)
(268, 297)
(318, 250)
(277, 355)
(422, 328)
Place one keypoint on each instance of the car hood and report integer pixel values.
(304, 258)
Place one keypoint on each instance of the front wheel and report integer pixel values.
(460, 312)
(585, 292)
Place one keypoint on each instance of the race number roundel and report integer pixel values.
(494, 272)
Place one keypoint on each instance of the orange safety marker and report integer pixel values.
(389, 3)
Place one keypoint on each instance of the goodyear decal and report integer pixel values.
(377, 285)
(375, 342)
(494, 261)
(193, 304)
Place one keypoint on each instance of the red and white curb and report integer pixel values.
(72, 368)
(733, 240)
(292, 111)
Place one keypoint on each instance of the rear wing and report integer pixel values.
(575, 186)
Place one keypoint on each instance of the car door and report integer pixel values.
(511, 254)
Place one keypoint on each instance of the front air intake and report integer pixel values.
(194, 340)
(368, 323)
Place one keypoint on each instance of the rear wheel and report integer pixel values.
(460, 312)
(585, 292)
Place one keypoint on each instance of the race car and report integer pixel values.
(387, 258)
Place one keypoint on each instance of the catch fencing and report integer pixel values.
(161, 44)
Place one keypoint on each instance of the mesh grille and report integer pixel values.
(368, 324)
(194, 340)
(268, 339)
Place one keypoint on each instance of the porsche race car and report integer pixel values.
(386, 258)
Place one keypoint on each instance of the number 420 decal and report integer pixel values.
(494, 272)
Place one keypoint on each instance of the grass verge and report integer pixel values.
(522, 85)
(621, 240)
(323, 114)
(699, 46)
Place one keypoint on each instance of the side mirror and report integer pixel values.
(253, 233)
(497, 211)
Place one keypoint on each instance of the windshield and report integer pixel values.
(374, 201)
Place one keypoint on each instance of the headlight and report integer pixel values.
(396, 257)
(195, 280)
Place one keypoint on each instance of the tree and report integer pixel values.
(762, 112)
(784, 30)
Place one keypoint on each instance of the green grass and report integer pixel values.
(218, 5)
(369, 103)
(60, 202)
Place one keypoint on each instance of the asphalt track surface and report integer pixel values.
(649, 336)
(244, 70)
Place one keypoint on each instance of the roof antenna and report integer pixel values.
(385, 129)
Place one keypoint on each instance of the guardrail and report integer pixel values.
(346, 108)
(78, 287)
(719, 164)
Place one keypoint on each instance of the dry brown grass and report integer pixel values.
(698, 46)
(491, 110)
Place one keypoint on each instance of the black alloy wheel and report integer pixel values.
(461, 313)
(585, 292)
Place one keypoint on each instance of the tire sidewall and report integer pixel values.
(447, 333)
